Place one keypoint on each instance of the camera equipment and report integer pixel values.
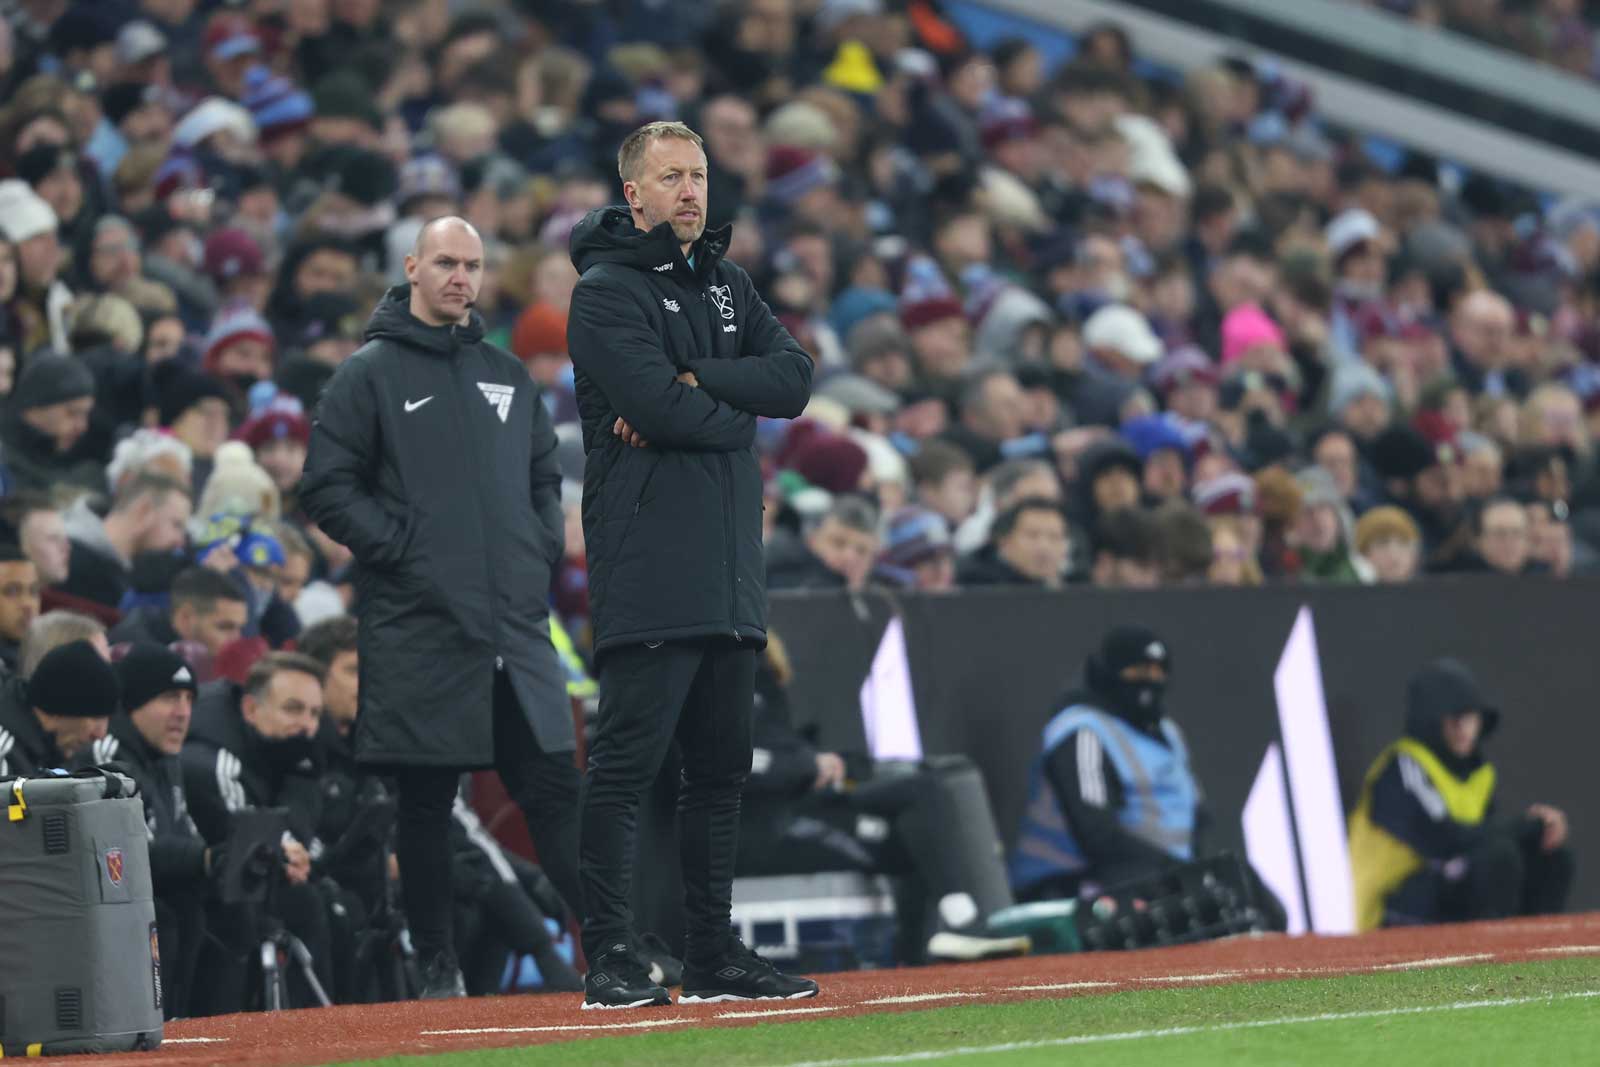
(252, 876)
(254, 851)
(1199, 901)
(80, 964)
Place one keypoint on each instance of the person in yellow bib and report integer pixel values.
(1425, 845)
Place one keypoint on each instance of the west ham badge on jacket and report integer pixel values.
(722, 296)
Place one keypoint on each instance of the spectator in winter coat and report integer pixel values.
(1031, 544)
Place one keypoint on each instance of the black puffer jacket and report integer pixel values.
(177, 851)
(25, 748)
(434, 461)
(229, 768)
(674, 529)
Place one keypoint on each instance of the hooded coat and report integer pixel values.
(673, 530)
(1423, 806)
(433, 460)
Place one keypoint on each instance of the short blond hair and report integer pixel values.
(639, 141)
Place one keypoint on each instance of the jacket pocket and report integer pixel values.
(398, 556)
(632, 501)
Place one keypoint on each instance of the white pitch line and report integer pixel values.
(1193, 977)
(1057, 987)
(1435, 961)
(1568, 950)
(1190, 1031)
(772, 1011)
(922, 998)
(643, 1024)
(194, 1041)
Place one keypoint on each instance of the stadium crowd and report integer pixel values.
(1071, 325)
(1558, 32)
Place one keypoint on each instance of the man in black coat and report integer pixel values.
(60, 711)
(158, 691)
(433, 460)
(676, 356)
(254, 746)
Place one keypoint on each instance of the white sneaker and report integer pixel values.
(948, 945)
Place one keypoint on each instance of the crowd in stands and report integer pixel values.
(1558, 32)
(1072, 325)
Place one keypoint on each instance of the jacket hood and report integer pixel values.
(1011, 315)
(89, 530)
(1442, 689)
(392, 321)
(608, 235)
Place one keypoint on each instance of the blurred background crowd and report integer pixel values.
(1558, 32)
(1076, 320)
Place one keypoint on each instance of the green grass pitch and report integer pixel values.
(1505, 1014)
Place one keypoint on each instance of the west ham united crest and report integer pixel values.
(114, 865)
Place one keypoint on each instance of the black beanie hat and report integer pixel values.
(303, 378)
(178, 388)
(72, 681)
(124, 98)
(1126, 646)
(368, 178)
(148, 670)
(345, 96)
(1104, 456)
(50, 378)
(41, 161)
(1401, 452)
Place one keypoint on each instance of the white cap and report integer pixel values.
(138, 41)
(23, 212)
(1151, 159)
(1122, 329)
(1350, 228)
(1161, 170)
(213, 115)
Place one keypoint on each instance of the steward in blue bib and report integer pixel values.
(1111, 796)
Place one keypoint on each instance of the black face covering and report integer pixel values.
(243, 382)
(285, 753)
(1140, 702)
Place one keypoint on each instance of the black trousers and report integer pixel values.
(544, 785)
(701, 693)
(505, 920)
(1504, 877)
(181, 928)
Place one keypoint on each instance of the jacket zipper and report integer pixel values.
(732, 551)
(728, 523)
(465, 424)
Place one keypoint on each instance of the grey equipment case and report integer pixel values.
(80, 969)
